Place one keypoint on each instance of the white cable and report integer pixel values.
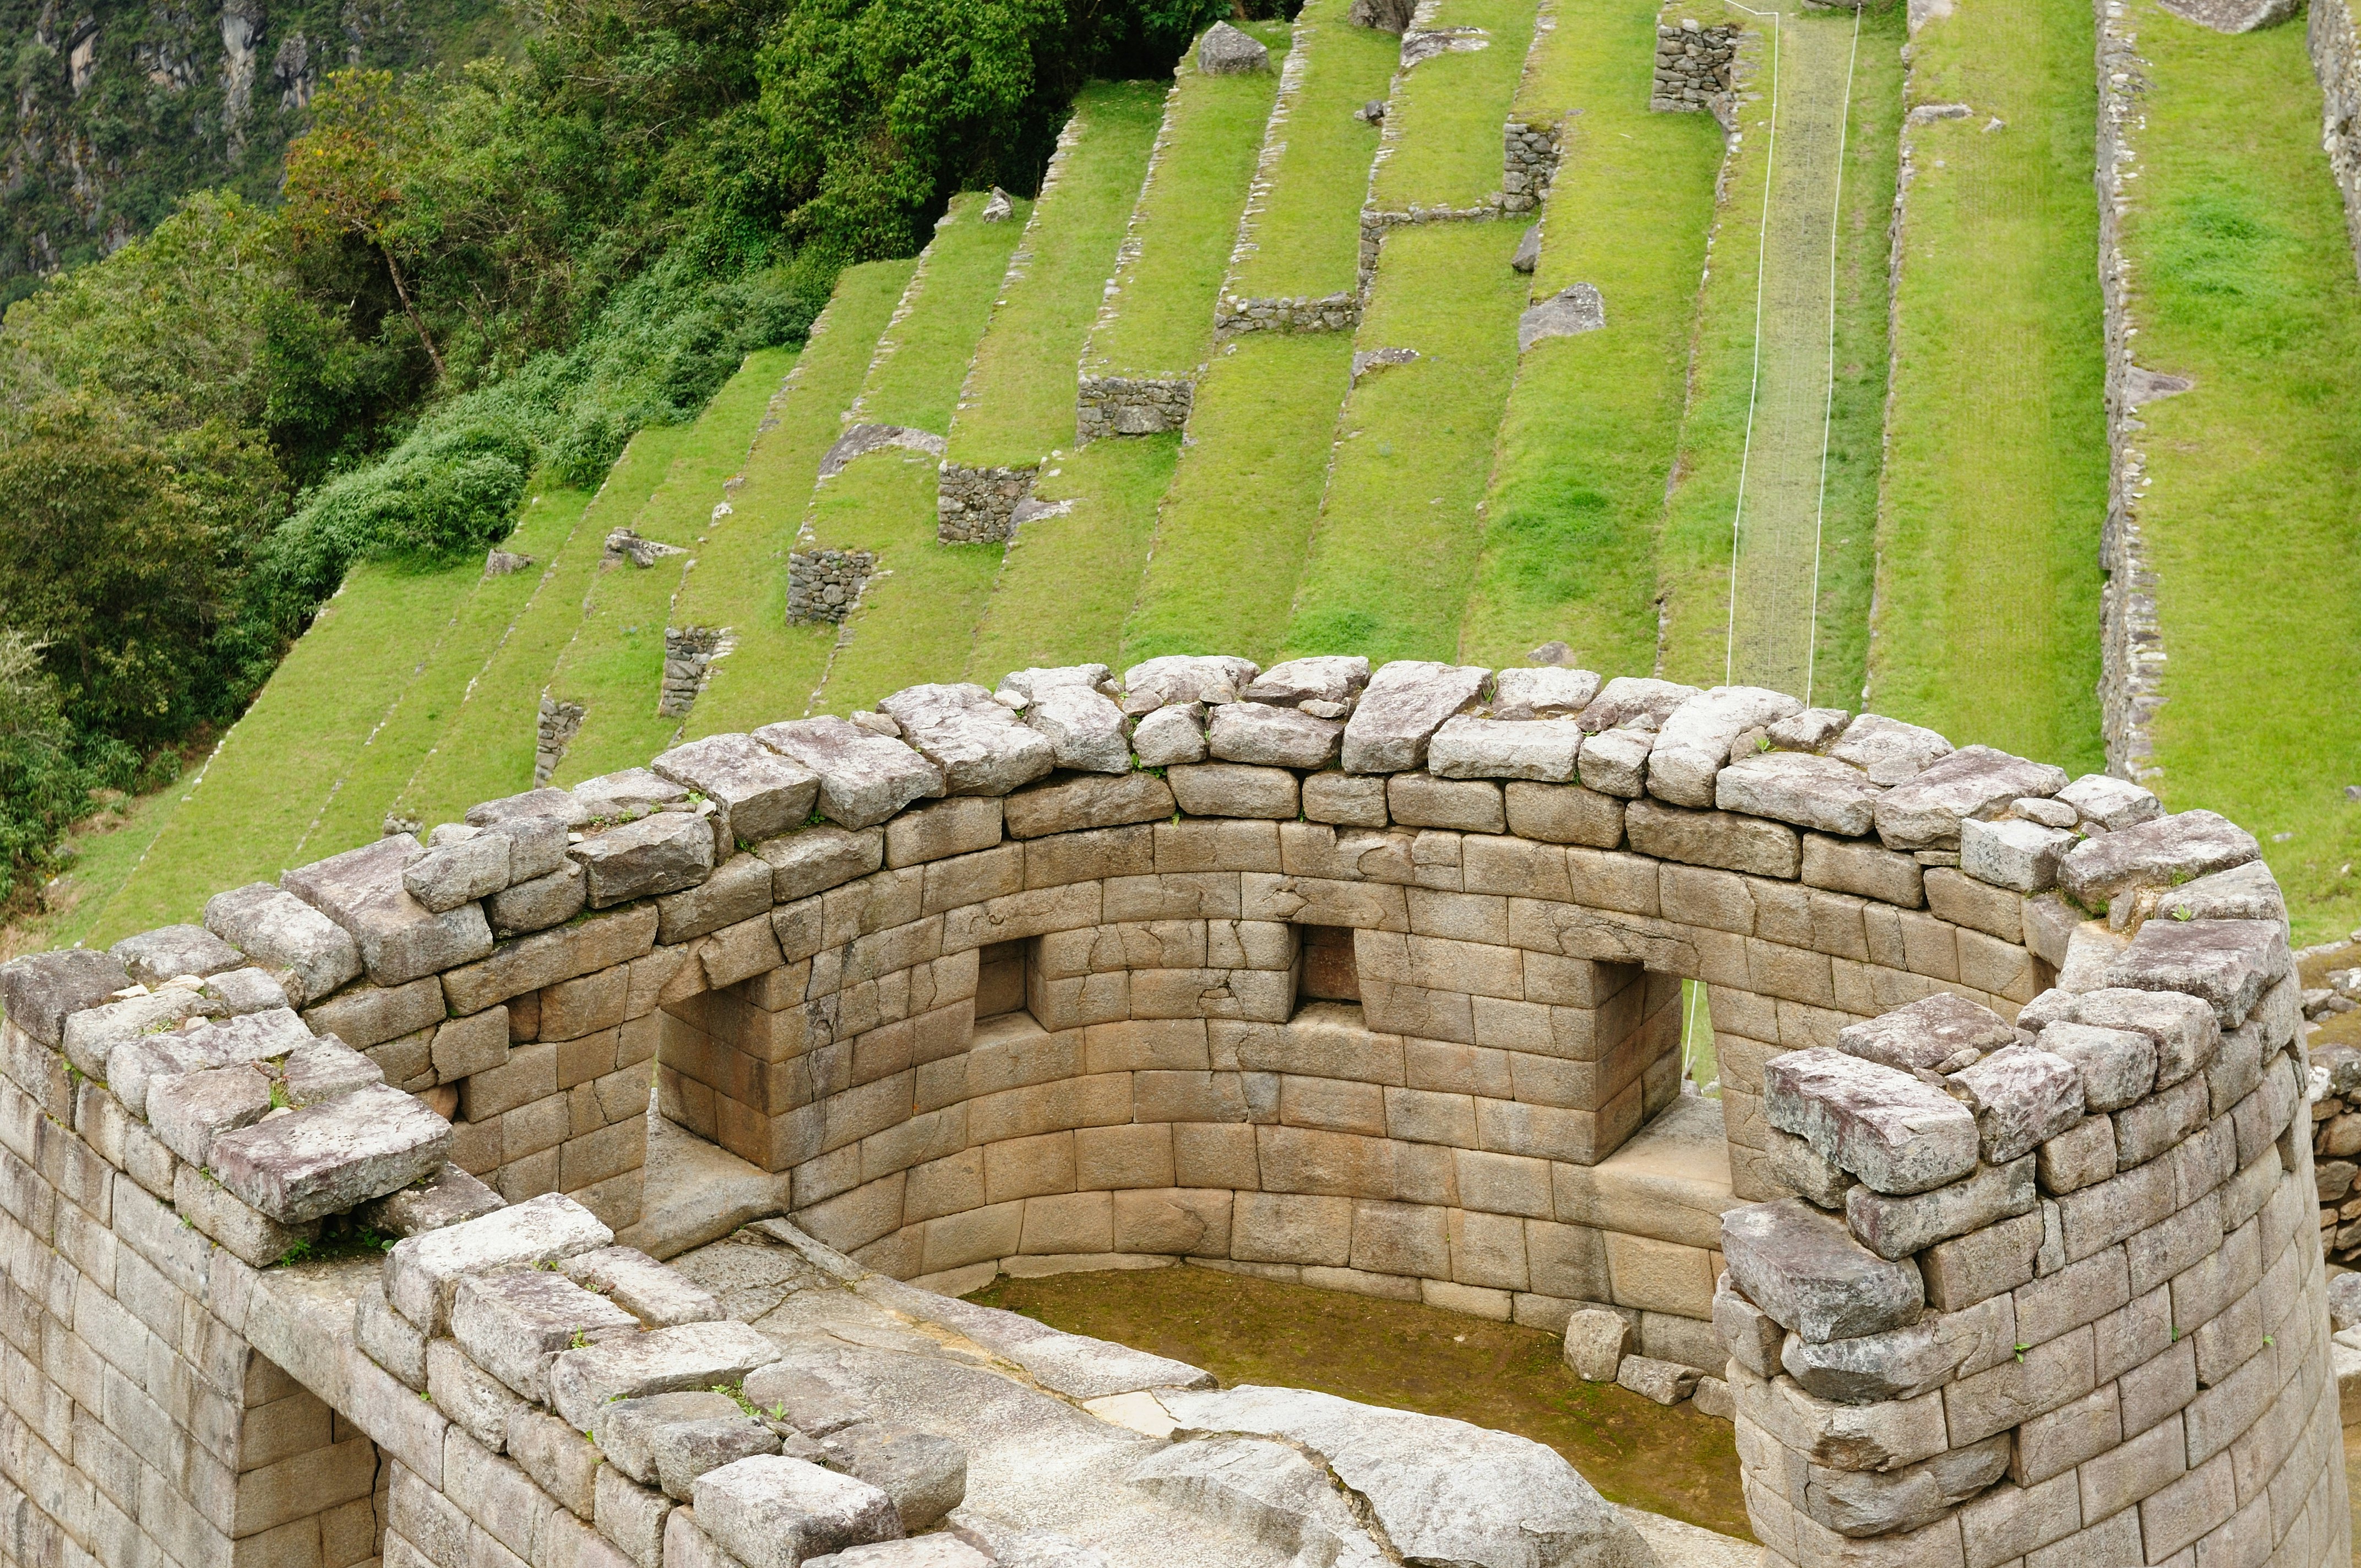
(1761, 250)
(1828, 410)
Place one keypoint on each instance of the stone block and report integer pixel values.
(1925, 812)
(925, 1474)
(314, 954)
(2227, 964)
(1693, 743)
(1861, 868)
(659, 853)
(458, 871)
(631, 1517)
(1597, 1341)
(1889, 1505)
(691, 1356)
(1405, 703)
(2048, 1377)
(189, 1112)
(151, 957)
(326, 1158)
(544, 901)
(1896, 1133)
(475, 1401)
(1720, 839)
(2118, 1066)
(1231, 789)
(2160, 852)
(1556, 814)
(819, 858)
(1661, 1382)
(561, 1461)
(1469, 805)
(658, 1295)
(2023, 1098)
(770, 1511)
(545, 957)
(400, 939)
(865, 778)
(1083, 802)
(423, 1272)
(1345, 799)
(1796, 786)
(365, 1015)
(513, 1324)
(981, 746)
(1805, 1271)
(1896, 1227)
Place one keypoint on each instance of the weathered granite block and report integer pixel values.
(323, 1159)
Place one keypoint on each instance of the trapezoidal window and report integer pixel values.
(1000, 978)
(1326, 970)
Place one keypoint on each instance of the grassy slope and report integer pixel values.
(916, 623)
(1578, 470)
(2245, 282)
(740, 580)
(265, 799)
(613, 665)
(1230, 537)
(1158, 317)
(1444, 126)
(1783, 636)
(1017, 405)
(1398, 529)
(1987, 616)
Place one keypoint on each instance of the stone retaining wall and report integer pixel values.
(825, 585)
(2051, 1292)
(978, 506)
(689, 652)
(1694, 67)
(2336, 61)
(1131, 405)
(554, 728)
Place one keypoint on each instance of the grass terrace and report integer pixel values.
(1443, 125)
(1158, 316)
(1588, 434)
(1815, 400)
(1995, 483)
(1231, 537)
(1018, 403)
(1067, 583)
(924, 355)
(1304, 233)
(740, 580)
(1400, 527)
(2244, 282)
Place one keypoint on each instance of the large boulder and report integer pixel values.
(1227, 51)
(1383, 16)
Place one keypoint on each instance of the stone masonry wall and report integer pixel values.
(825, 585)
(2051, 1292)
(689, 652)
(1693, 67)
(2337, 62)
(978, 506)
(1131, 405)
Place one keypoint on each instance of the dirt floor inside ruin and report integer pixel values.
(1676, 1462)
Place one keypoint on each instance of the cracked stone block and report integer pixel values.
(656, 1294)
(1925, 811)
(1186, 677)
(661, 1361)
(623, 795)
(1664, 1382)
(1940, 1033)
(1170, 735)
(1897, 1135)
(2227, 964)
(388, 1338)
(762, 793)
(544, 801)
(446, 877)
(2022, 1096)
(819, 858)
(2118, 1066)
(544, 902)
(2243, 892)
(92, 1035)
(1543, 750)
(1273, 736)
(1796, 786)
(476, 1402)
(135, 1064)
(40, 990)
(1889, 750)
(1542, 691)
(323, 1159)
(2110, 803)
(627, 1428)
(1796, 1163)
(1805, 1271)
(170, 951)
(2187, 1035)
(423, 1272)
(1085, 730)
(447, 1197)
(1079, 801)
(1330, 678)
(1596, 1343)
(663, 852)
(513, 1324)
(1896, 1227)
(1857, 1504)
(241, 991)
(770, 1511)
(804, 1401)
(925, 1474)
(865, 778)
(1627, 699)
(189, 1111)
(400, 939)
(686, 1450)
(2161, 852)
(1264, 1490)
(1693, 742)
(982, 747)
(1405, 703)
(1751, 1336)
(2020, 856)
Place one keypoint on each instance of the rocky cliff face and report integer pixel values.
(116, 108)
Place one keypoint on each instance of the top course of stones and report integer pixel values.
(196, 1032)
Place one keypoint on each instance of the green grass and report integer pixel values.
(1018, 403)
(1987, 623)
(1804, 559)
(1068, 582)
(1398, 529)
(924, 355)
(740, 580)
(2245, 282)
(1304, 234)
(1230, 537)
(1160, 316)
(614, 664)
(1443, 129)
(1577, 477)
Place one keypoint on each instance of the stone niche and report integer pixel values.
(1368, 979)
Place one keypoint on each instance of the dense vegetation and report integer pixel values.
(469, 275)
